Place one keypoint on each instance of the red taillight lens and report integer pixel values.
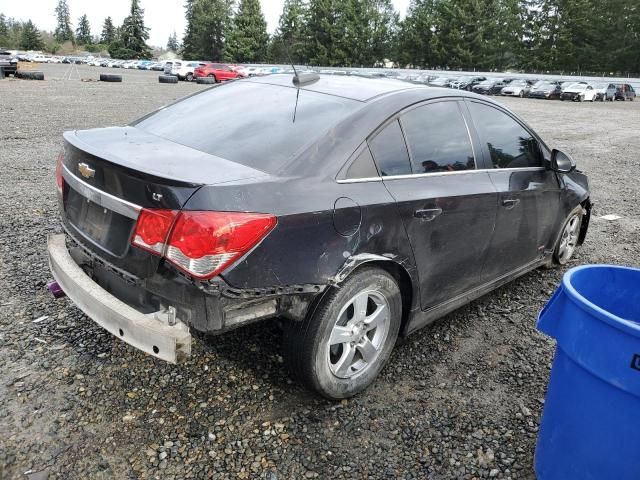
(153, 229)
(205, 243)
(201, 244)
(59, 177)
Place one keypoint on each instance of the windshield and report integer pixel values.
(577, 86)
(518, 83)
(249, 123)
(543, 86)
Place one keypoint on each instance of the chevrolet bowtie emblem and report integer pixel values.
(86, 171)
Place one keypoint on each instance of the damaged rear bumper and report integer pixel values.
(150, 333)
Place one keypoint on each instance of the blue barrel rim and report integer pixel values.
(593, 309)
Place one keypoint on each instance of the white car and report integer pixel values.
(579, 92)
(184, 70)
(41, 59)
(170, 65)
(517, 88)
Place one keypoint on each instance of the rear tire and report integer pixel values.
(167, 79)
(342, 345)
(189, 77)
(568, 239)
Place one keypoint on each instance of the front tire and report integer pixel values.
(568, 240)
(341, 347)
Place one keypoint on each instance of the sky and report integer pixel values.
(161, 16)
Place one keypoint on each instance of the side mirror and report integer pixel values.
(561, 162)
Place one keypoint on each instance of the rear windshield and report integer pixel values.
(249, 123)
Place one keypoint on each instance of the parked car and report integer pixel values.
(218, 71)
(441, 81)
(353, 238)
(490, 86)
(624, 92)
(186, 69)
(517, 88)
(8, 62)
(547, 90)
(466, 82)
(579, 92)
(40, 58)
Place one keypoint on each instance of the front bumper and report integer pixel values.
(148, 332)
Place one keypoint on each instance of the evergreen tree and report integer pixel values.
(287, 45)
(248, 39)
(63, 31)
(30, 38)
(208, 23)
(172, 43)
(323, 33)
(83, 32)
(108, 31)
(4, 27)
(415, 39)
(133, 33)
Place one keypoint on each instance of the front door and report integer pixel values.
(447, 206)
(528, 193)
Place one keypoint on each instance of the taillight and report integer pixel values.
(204, 243)
(59, 177)
(201, 244)
(153, 229)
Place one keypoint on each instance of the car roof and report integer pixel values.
(348, 86)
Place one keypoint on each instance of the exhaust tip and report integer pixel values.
(55, 289)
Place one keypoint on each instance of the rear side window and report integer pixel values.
(249, 123)
(437, 138)
(390, 151)
(510, 145)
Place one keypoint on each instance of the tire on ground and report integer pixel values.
(305, 342)
(30, 75)
(106, 77)
(206, 80)
(168, 79)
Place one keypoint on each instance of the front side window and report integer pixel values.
(437, 138)
(509, 143)
(390, 151)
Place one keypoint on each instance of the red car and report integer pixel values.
(218, 71)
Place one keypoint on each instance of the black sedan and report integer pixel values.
(490, 86)
(356, 209)
(546, 90)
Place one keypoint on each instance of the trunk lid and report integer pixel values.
(112, 173)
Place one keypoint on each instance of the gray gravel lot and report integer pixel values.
(458, 400)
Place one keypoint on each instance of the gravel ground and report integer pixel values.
(458, 400)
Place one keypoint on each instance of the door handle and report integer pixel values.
(427, 214)
(509, 203)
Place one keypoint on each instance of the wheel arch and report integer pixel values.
(406, 282)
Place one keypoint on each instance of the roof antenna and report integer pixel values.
(301, 79)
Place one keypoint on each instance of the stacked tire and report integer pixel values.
(29, 75)
(206, 80)
(105, 77)
(168, 79)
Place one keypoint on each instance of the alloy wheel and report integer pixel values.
(569, 239)
(358, 335)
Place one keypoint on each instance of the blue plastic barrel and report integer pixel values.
(590, 428)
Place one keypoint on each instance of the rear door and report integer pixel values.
(528, 193)
(448, 207)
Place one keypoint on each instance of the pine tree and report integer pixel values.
(4, 27)
(323, 33)
(63, 31)
(108, 32)
(172, 43)
(208, 24)
(133, 33)
(83, 32)
(248, 39)
(30, 38)
(287, 44)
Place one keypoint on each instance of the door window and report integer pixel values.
(510, 145)
(438, 139)
(390, 151)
